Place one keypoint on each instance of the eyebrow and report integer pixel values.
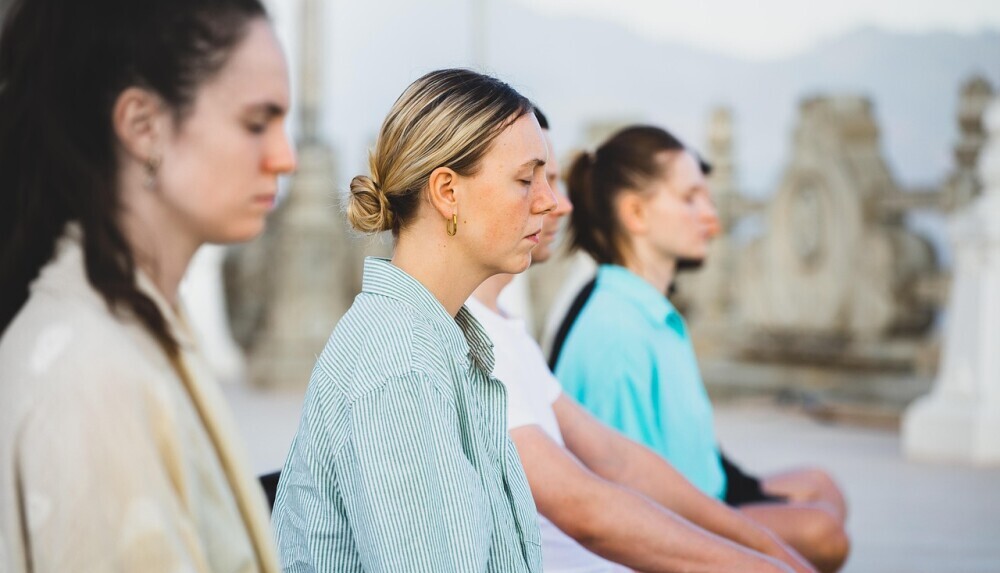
(270, 109)
(536, 162)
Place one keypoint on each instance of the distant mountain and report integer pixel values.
(582, 70)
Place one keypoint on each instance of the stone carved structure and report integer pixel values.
(960, 418)
(203, 292)
(288, 289)
(705, 296)
(965, 184)
(834, 264)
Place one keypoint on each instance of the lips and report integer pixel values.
(266, 199)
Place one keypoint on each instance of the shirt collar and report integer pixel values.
(654, 304)
(463, 332)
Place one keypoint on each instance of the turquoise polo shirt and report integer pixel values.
(628, 359)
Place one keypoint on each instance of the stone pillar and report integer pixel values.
(964, 184)
(960, 419)
(705, 293)
(480, 33)
(310, 259)
(205, 303)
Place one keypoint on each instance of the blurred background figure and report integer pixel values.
(130, 135)
(641, 205)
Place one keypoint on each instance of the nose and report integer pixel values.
(280, 154)
(546, 201)
(710, 218)
(712, 221)
(563, 205)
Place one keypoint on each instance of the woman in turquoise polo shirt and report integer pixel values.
(641, 205)
(402, 460)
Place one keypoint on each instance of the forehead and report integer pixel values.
(683, 170)
(255, 72)
(521, 142)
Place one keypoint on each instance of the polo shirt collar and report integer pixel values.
(654, 304)
(463, 333)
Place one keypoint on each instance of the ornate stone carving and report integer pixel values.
(833, 264)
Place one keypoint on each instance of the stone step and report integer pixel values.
(828, 393)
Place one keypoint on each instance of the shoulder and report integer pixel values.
(609, 309)
(607, 326)
(66, 362)
(59, 342)
(378, 340)
(609, 342)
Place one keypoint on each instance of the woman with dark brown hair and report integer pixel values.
(131, 133)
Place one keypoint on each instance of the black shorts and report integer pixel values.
(743, 488)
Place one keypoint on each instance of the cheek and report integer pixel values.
(503, 220)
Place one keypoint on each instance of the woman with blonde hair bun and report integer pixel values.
(402, 460)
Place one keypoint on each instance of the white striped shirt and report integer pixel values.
(402, 460)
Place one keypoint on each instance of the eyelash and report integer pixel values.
(256, 128)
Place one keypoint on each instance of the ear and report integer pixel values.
(441, 191)
(138, 117)
(631, 209)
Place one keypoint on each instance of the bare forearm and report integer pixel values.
(646, 472)
(636, 468)
(626, 528)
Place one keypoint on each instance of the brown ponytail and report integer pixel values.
(627, 161)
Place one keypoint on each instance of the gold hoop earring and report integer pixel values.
(452, 225)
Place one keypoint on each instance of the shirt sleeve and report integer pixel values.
(413, 499)
(509, 369)
(101, 488)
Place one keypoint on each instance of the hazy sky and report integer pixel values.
(765, 29)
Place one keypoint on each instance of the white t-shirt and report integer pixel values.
(531, 391)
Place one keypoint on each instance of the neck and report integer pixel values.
(160, 246)
(657, 271)
(488, 293)
(436, 262)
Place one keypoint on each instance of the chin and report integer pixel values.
(697, 254)
(540, 255)
(240, 233)
(517, 266)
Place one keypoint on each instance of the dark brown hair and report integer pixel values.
(629, 160)
(63, 64)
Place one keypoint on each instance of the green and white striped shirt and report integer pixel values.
(402, 460)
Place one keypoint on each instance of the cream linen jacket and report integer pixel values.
(112, 459)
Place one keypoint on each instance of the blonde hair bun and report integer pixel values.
(368, 209)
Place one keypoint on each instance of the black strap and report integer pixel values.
(567, 322)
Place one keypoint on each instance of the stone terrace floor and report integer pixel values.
(905, 517)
